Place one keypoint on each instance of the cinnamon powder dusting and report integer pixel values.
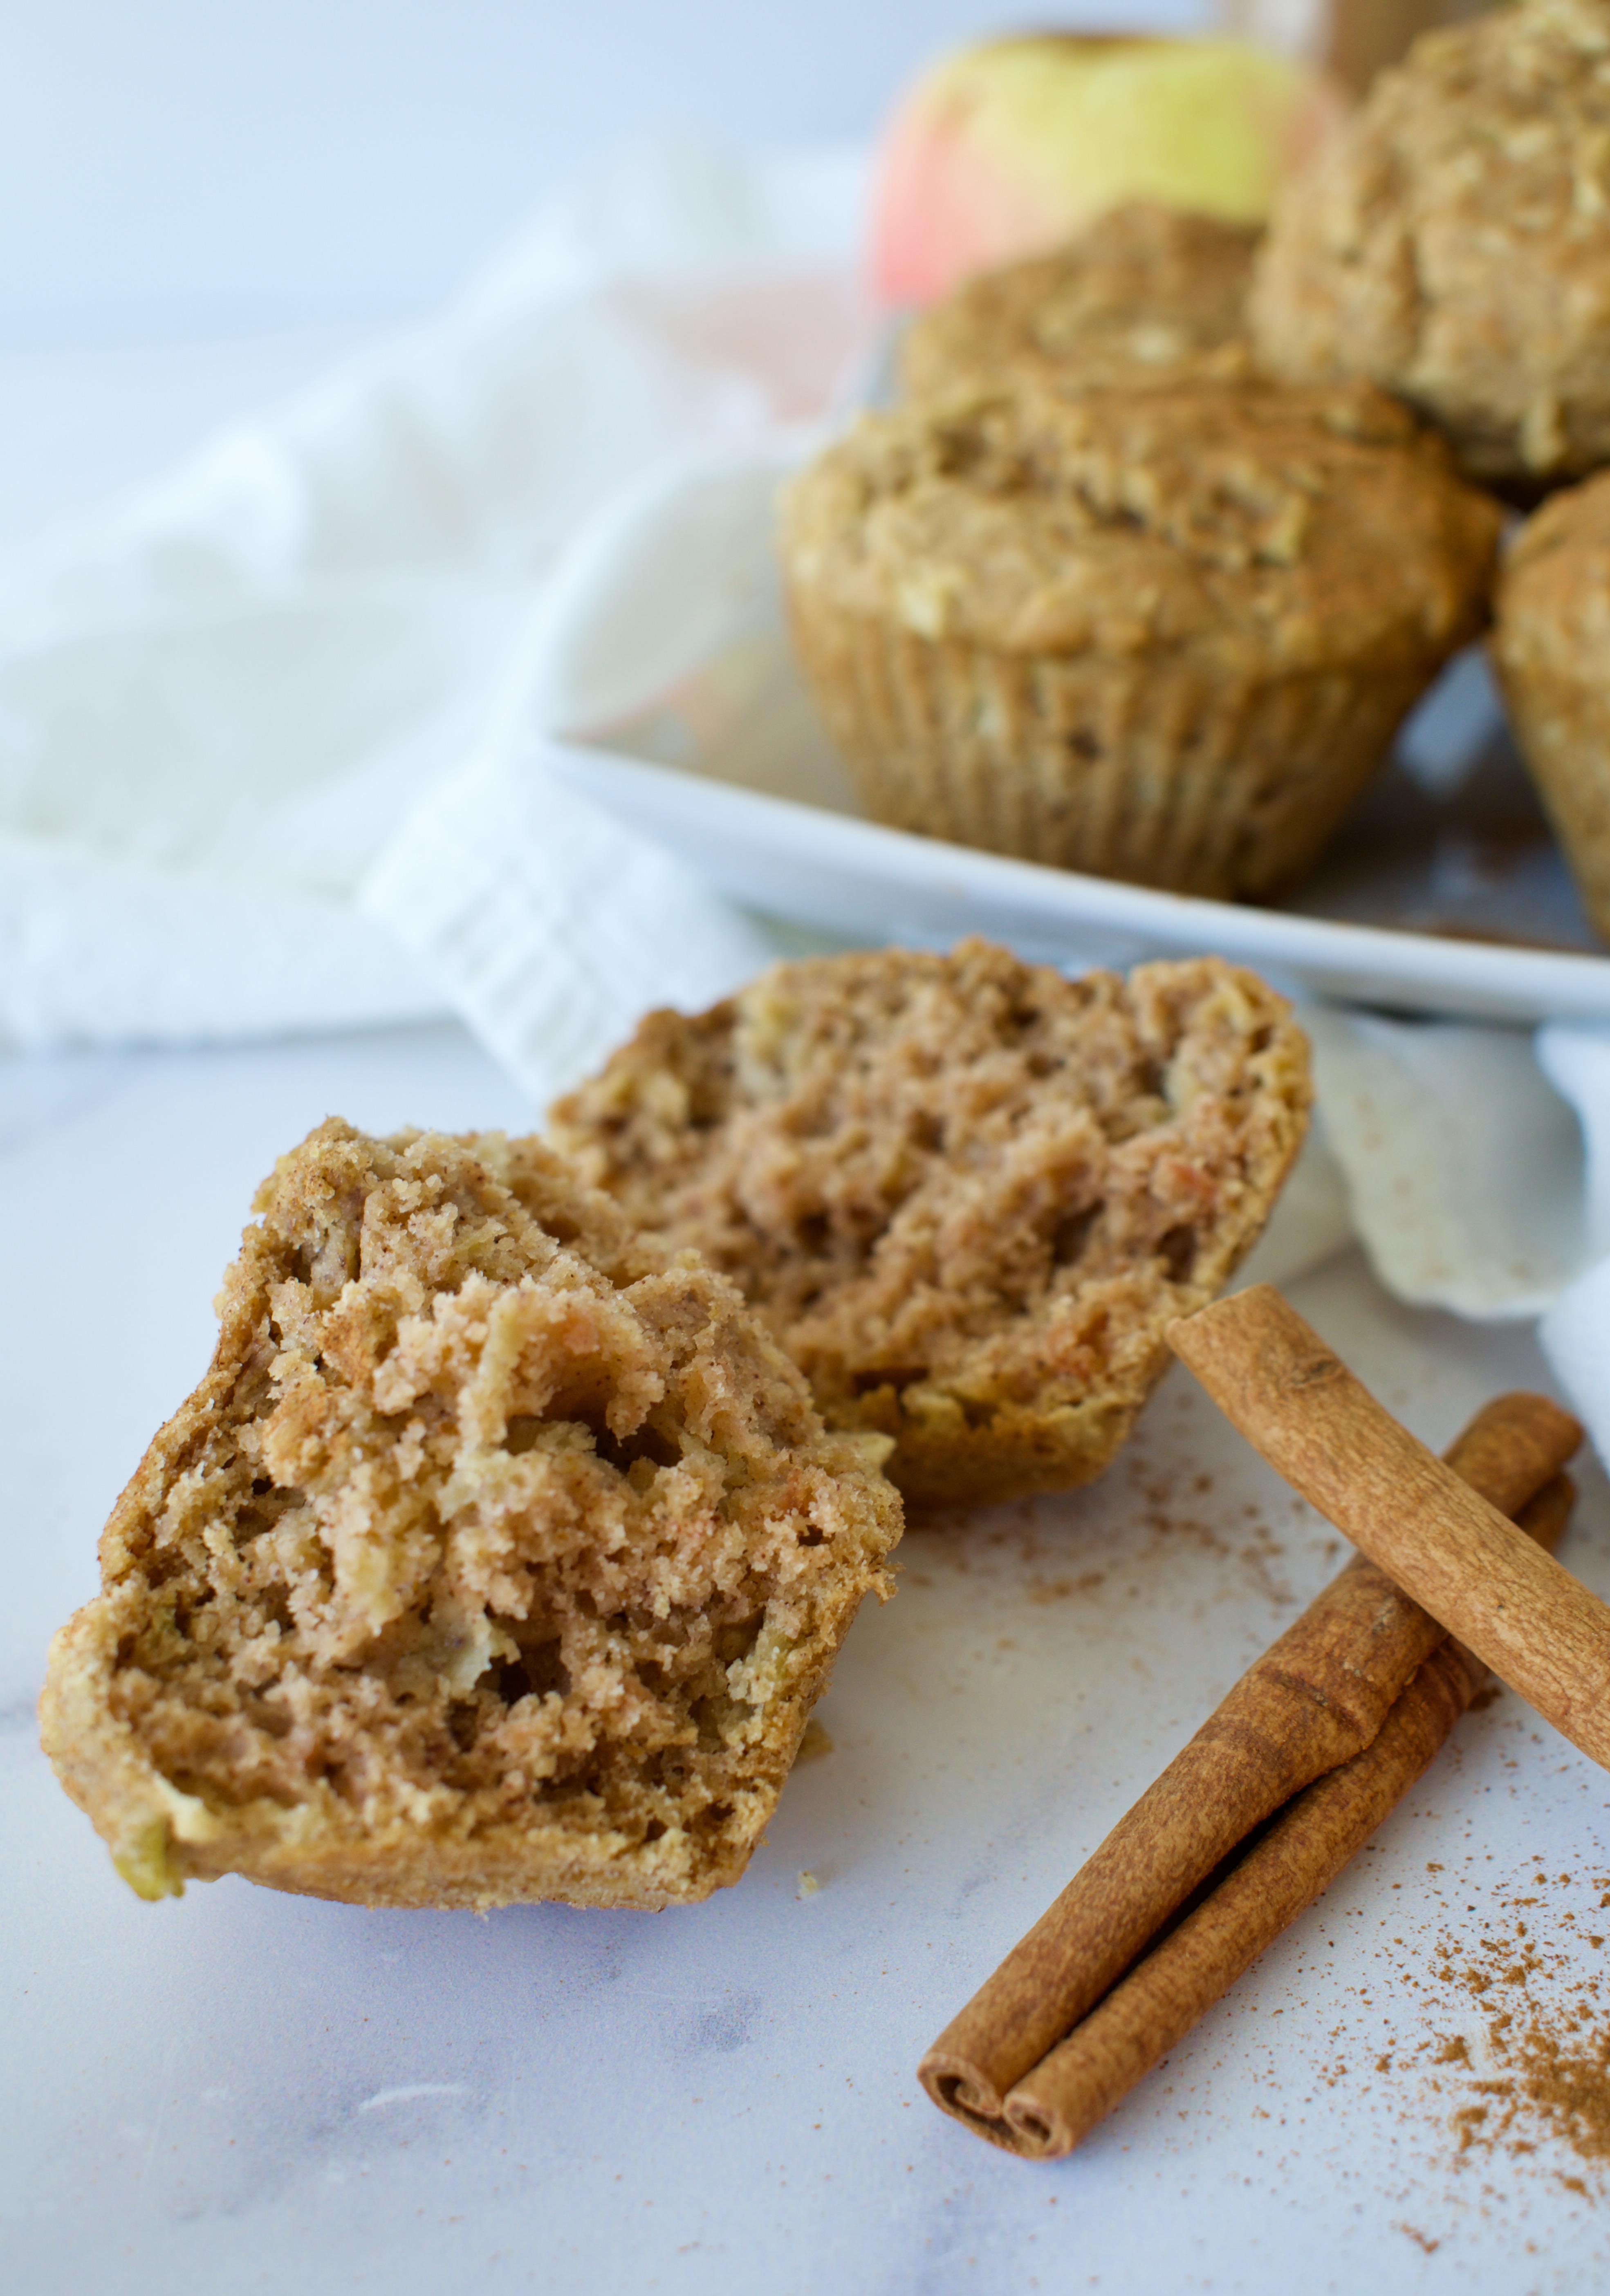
(1524, 2058)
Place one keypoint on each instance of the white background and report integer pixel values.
(204, 201)
(181, 164)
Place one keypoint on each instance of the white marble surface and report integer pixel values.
(247, 2091)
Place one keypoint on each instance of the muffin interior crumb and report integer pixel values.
(957, 1185)
(487, 1518)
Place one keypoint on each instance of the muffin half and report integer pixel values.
(1161, 636)
(966, 1195)
(496, 1557)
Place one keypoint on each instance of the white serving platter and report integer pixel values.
(1461, 906)
(1444, 892)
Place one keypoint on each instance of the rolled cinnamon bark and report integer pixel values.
(1539, 1629)
(1316, 1697)
(1171, 1987)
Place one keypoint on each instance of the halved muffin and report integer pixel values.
(499, 1556)
(966, 1194)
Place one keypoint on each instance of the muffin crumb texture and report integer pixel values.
(966, 1194)
(498, 1556)
(1453, 243)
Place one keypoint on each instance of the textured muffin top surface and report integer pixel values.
(1554, 595)
(958, 1171)
(1145, 297)
(1271, 527)
(487, 1518)
(1454, 242)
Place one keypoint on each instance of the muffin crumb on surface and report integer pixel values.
(499, 1556)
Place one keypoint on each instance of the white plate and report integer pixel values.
(1453, 904)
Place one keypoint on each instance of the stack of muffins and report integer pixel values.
(1171, 530)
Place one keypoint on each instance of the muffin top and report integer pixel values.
(1276, 529)
(1453, 243)
(1146, 297)
(1554, 594)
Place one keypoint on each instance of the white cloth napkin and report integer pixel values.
(217, 706)
(263, 731)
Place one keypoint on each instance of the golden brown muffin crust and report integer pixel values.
(1268, 530)
(1453, 243)
(1146, 297)
(1551, 645)
(965, 1193)
(1553, 586)
(498, 1557)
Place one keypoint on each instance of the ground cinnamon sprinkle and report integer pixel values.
(1531, 2068)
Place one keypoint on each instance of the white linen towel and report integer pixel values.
(216, 705)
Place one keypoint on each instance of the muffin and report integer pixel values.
(966, 1195)
(1164, 636)
(1550, 644)
(1453, 244)
(1145, 297)
(496, 1557)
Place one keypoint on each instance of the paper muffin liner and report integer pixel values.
(1156, 769)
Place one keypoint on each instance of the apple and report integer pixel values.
(1007, 149)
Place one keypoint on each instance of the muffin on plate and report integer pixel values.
(499, 1556)
(1146, 296)
(965, 1194)
(1164, 636)
(1550, 646)
(1453, 244)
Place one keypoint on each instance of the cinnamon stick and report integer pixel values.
(1539, 1629)
(1315, 1701)
(1281, 1874)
